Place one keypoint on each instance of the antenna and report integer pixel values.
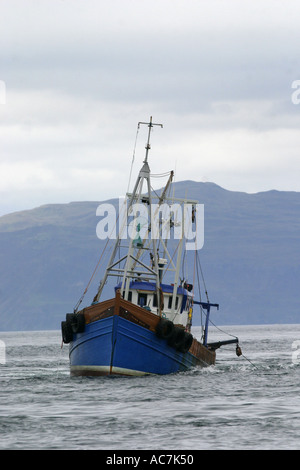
(150, 125)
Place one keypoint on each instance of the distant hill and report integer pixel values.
(250, 258)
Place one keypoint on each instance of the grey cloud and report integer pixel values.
(79, 72)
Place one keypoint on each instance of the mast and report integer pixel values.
(136, 196)
(150, 125)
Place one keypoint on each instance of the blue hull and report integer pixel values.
(116, 346)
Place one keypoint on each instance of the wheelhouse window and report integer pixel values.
(142, 300)
(170, 302)
(129, 295)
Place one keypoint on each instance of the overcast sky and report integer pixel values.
(80, 74)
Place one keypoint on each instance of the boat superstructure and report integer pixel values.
(145, 327)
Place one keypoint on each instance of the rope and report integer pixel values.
(222, 331)
(97, 265)
(210, 321)
(200, 297)
(96, 268)
(202, 275)
(91, 278)
(233, 336)
(133, 158)
(243, 355)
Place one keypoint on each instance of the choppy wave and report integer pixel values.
(250, 402)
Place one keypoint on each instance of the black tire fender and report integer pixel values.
(177, 338)
(187, 342)
(66, 331)
(70, 317)
(78, 323)
(165, 328)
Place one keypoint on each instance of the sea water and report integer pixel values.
(246, 402)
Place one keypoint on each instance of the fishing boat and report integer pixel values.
(144, 327)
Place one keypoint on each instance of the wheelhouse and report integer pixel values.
(144, 294)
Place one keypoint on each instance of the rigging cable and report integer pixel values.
(200, 298)
(202, 276)
(97, 265)
(243, 355)
(233, 336)
(96, 268)
(218, 328)
(133, 157)
(91, 278)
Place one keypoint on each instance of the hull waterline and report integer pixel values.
(114, 345)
